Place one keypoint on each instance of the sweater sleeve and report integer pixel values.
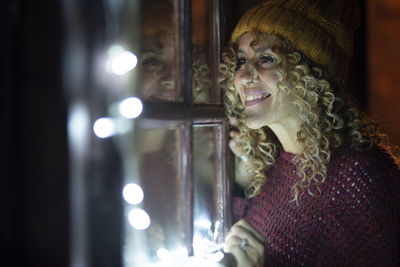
(365, 222)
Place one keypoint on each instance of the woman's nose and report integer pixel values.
(249, 74)
(167, 77)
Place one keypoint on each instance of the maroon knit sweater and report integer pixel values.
(355, 221)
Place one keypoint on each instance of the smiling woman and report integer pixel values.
(320, 182)
(258, 79)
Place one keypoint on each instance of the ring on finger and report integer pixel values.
(244, 244)
(244, 158)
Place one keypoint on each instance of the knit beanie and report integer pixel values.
(157, 18)
(322, 29)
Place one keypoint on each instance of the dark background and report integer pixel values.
(34, 151)
(34, 157)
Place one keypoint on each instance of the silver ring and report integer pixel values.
(244, 244)
(244, 158)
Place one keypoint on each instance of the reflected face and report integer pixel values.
(256, 81)
(158, 69)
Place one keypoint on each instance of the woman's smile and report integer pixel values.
(257, 81)
(253, 98)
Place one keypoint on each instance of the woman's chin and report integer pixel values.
(254, 124)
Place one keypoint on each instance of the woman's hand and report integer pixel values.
(246, 244)
(235, 142)
(242, 163)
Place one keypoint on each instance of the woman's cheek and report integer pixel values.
(148, 84)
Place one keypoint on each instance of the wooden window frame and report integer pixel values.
(189, 114)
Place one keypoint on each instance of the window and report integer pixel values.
(163, 55)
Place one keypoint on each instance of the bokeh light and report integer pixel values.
(163, 254)
(131, 107)
(120, 61)
(133, 194)
(203, 223)
(104, 127)
(180, 253)
(139, 219)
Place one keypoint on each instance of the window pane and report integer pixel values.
(205, 51)
(159, 57)
(160, 170)
(159, 176)
(208, 213)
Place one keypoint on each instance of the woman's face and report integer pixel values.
(257, 82)
(158, 69)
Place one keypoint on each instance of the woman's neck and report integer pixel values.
(286, 132)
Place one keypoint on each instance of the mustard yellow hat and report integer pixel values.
(157, 18)
(322, 29)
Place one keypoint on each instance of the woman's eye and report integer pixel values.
(240, 62)
(150, 64)
(267, 59)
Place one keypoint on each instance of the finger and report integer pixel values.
(245, 224)
(234, 145)
(242, 258)
(234, 241)
(234, 121)
(233, 133)
(238, 146)
(239, 233)
(232, 246)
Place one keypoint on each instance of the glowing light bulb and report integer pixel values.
(131, 107)
(163, 254)
(104, 127)
(133, 194)
(121, 61)
(203, 223)
(180, 253)
(115, 50)
(139, 219)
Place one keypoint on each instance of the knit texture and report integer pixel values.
(156, 18)
(355, 221)
(322, 29)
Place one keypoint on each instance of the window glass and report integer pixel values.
(159, 57)
(160, 176)
(160, 168)
(205, 44)
(205, 220)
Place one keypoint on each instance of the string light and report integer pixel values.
(131, 107)
(133, 194)
(139, 219)
(104, 127)
(120, 60)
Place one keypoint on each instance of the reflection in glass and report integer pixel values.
(159, 169)
(158, 60)
(202, 80)
(205, 222)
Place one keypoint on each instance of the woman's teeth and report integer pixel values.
(255, 99)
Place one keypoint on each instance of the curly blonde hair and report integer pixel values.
(327, 121)
(201, 80)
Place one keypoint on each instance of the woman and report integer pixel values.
(320, 186)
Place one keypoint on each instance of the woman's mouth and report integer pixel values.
(255, 99)
(165, 94)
